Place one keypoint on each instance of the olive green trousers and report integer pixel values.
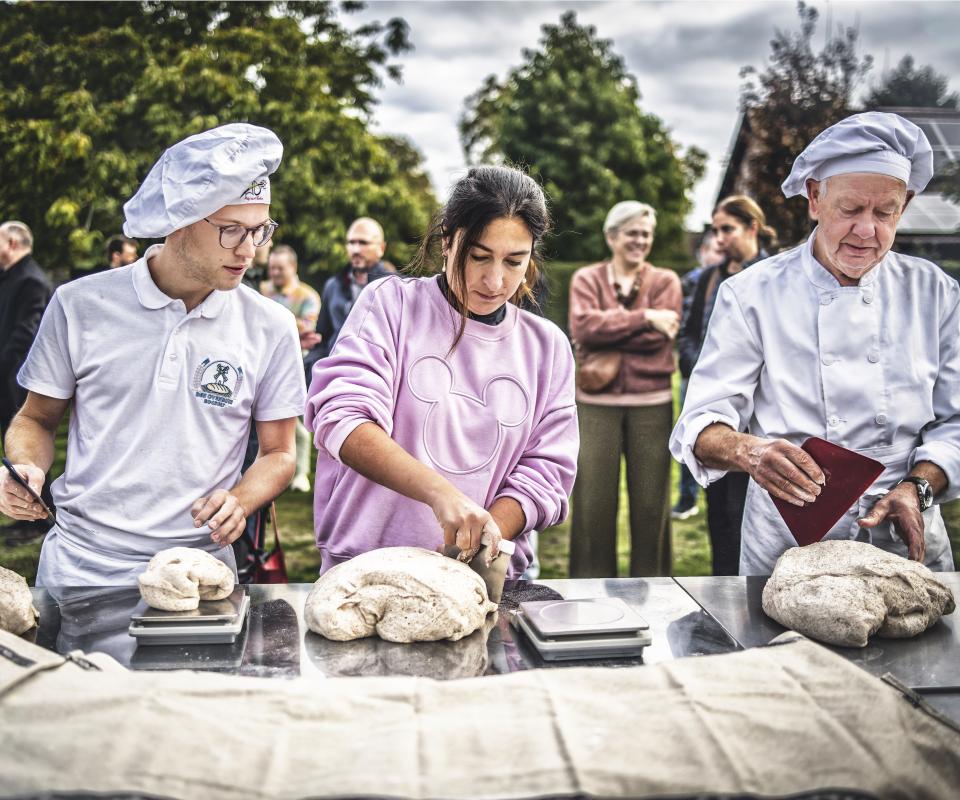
(638, 434)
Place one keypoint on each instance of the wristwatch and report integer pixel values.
(924, 491)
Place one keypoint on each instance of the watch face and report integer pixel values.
(924, 493)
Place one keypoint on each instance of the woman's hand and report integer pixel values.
(665, 320)
(372, 453)
(464, 523)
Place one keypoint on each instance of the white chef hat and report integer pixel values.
(875, 142)
(224, 166)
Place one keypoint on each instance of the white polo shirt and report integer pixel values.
(163, 403)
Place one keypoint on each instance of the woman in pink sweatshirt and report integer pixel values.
(444, 410)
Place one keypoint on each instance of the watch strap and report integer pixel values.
(922, 485)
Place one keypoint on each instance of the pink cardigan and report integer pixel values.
(599, 322)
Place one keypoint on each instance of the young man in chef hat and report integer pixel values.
(166, 362)
(842, 339)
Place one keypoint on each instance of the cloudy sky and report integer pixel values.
(686, 55)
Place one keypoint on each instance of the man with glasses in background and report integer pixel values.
(166, 364)
(365, 248)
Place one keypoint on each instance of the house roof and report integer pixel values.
(928, 213)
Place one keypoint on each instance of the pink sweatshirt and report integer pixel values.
(497, 417)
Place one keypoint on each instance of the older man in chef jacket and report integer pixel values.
(842, 339)
(167, 362)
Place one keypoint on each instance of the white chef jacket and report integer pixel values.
(162, 406)
(790, 353)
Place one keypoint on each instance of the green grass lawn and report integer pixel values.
(691, 546)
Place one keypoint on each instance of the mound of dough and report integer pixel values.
(402, 594)
(17, 614)
(178, 578)
(843, 592)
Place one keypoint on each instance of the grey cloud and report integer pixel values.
(686, 56)
(691, 44)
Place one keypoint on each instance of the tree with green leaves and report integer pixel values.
(94, 92)
(907, 86)
(570, 114)
(796, 96)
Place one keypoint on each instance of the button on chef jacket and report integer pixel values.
(790, 353)
(162, 406)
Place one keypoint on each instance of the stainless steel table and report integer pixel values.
(276, 642)
(687, 616)
(928, 664)
(679, 626)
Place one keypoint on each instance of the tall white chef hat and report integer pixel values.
(224, 166)
(874, 141)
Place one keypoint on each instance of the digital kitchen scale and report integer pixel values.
(583, 629)
(213, 622)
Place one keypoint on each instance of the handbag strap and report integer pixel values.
(274, 525)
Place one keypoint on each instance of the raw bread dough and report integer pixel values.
(842, 592)
(402, 594)
(17, 614)
(178, 578)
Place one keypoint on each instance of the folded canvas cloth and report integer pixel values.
(766, 722)
(843, 592)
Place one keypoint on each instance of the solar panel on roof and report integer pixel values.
(951, 133)
(940, 160)
(930, 213)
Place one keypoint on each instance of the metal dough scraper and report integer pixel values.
(493, 575)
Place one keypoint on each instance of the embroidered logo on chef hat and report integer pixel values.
(257, 192)
(463, 433)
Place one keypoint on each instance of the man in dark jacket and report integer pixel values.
(708, 255)
(365, 248)
(740, 231)
(24, 294)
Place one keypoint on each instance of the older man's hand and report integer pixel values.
(900, 507)
(784, 470)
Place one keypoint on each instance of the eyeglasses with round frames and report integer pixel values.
(232, 236)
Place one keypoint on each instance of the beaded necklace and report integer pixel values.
(627, 299)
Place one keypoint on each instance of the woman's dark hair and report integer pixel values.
(484, 195)
(747, 211)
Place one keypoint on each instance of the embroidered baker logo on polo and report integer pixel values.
(216, 383)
